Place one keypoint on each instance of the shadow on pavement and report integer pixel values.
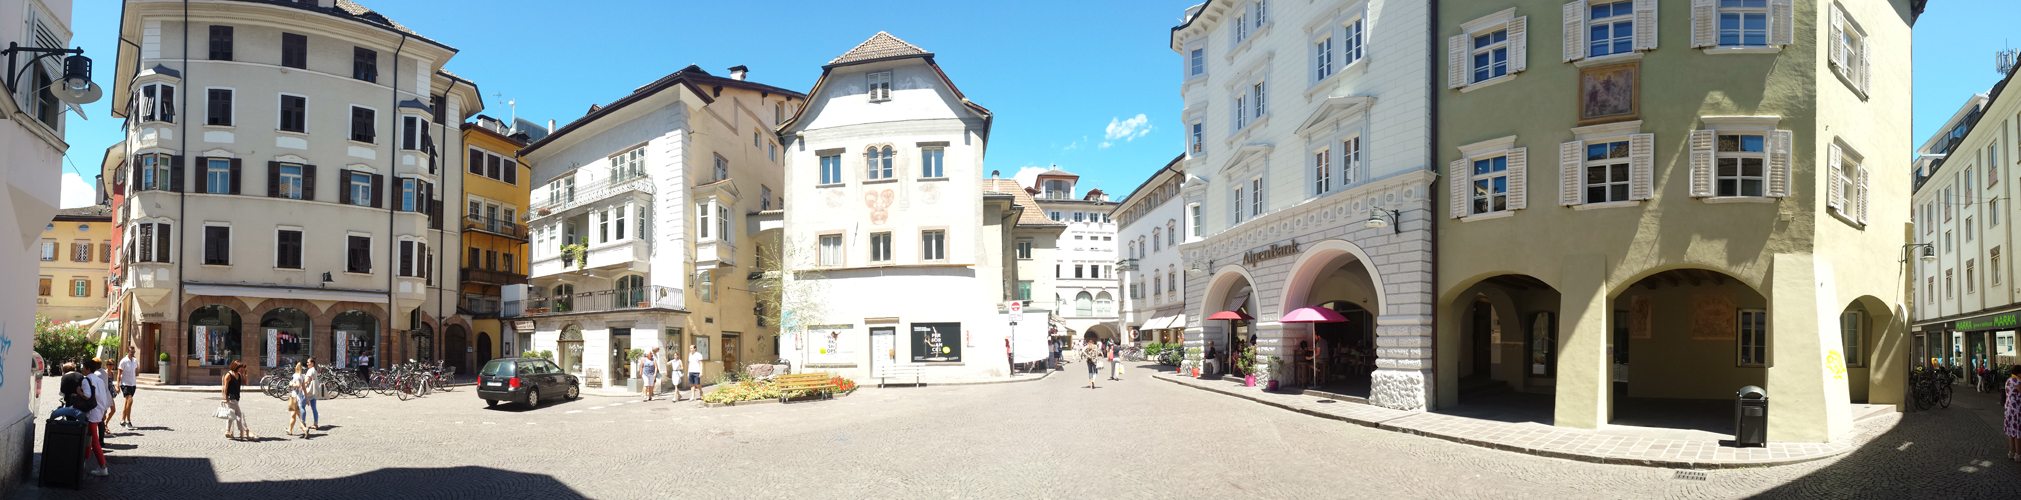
(1957, 452)
(151, 477)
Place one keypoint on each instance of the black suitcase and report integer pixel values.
(63, 452)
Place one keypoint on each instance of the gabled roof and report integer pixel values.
(988, 117)
(1058, 173)
(692, 77)
(1031, 215)
(879, 46)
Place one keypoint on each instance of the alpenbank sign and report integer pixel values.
(2006, 320)
(1275, 251)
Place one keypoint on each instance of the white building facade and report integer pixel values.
(1150, 272)
(1304, 121)
(31, 137)
(1084, 267)
(1965, 296)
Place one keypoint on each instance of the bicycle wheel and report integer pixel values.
(1944, 397)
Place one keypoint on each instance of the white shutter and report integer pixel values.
(1519, 58)
(1701, 163)
(1781, 22)
(1457, 181)
(1575, 31)
(1570, 157)
(1866, 66)
(1836, 185)
(1838, 51)
(1519, 176)
(1779, 144)
(1862, 193)
(1641, 166)
(1456, 61)
(1704, 18)
(1645, 25)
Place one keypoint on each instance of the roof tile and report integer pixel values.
(879, 45)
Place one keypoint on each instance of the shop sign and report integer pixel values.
(1989, 322)
(523, 325)
(1275, 251)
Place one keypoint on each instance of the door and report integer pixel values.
(731, 348)
(483, 349)
(883, 348)
(150, 341)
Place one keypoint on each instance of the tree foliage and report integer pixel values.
(61, 342)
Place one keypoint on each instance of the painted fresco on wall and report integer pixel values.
(1712, 317)
(878, 201)
(1608, 93)
(1639, 324)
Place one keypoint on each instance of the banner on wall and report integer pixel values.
(203, 343)
(343, 356)
(826, 346)
(273, 347)
(936, 342)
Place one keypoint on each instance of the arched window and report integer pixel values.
(631, 290)
(214, 335)
(870, 167)
(563, 298)
(357, 334)
(1105, 304)
(1084, 304)
(288, 329)
(888, 155)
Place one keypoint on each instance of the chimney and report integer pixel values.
(737, 72)
(550, 125)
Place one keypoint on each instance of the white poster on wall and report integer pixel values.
(203, 345)
(826, 346)
(273, 349)
(342, 357)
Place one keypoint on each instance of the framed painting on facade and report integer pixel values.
(1610, 93)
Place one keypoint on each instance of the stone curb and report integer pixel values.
(1642, 462)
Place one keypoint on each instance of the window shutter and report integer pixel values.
(1779, 144)
(1837, 33)
(1456, 61)
(1781, 22)
(1862, 193)
(344, 186)
(1641, 166)
(1866, 66)
(1519, 178)
(202, 174)
(1701, 163)
(273, 179)
(1569, 161)
(378, 191)
(1835, 188)
(175, 173)
(236, 178)
(1456, 181)
(309, 182)
(512, 172)
(1704, 27)
(1519, 44)
(1575, 30)
(1645, 25)
(162, 241)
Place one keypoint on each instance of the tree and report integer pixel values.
(789, 292)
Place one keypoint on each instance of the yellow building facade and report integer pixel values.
(495, 187)
(74, 252)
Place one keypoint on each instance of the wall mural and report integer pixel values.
(1639, 324)
(1712, 317)
(878, 201)
(929, 193)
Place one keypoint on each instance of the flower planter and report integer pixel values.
(1272, 386)
(1249, 381)
(634, 384)
(1196, 373)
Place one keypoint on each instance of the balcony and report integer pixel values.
(479, 305)
(493, 225)
(490, 277)
(573, 196)
(628, 255)
(621, 299)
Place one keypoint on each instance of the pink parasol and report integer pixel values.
(1312, 315)
(1230, 315)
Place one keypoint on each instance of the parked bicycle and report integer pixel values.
(1931, 387)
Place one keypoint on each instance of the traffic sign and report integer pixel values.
(1017, 311)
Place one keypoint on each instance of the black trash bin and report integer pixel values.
(62, 452)
(1750, 417)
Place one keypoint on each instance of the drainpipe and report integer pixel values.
(393, 167)
(1431, 162)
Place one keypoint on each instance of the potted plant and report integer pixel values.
(632, 376)
(1271, 365)
(1193, 361)
(1247, 363)
(575, 255)
(161, 364)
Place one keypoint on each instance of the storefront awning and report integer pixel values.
(1158, 323)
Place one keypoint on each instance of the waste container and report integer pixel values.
(1750, 417)
(62, 452)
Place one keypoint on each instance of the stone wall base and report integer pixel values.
(17, 451)
(1409, 390)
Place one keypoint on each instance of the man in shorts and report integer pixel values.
(128, 367)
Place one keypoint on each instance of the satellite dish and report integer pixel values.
(87, 94)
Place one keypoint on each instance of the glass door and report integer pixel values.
(883, 348)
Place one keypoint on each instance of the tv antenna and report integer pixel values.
(510, 104)
(2004, 60)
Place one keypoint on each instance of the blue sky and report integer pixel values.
(1095, 92)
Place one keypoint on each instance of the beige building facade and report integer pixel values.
(75, 253)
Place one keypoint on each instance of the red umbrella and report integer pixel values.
(1230, 315)
(1312, 315)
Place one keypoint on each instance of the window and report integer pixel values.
(772, 154)
(1195, 214)
(930, 162)
(1171, 281)
(1080, 271)
(1171, 233)
(933, 245)
(1930, 289)
(1968, 228)
(155, 172)
(1024, 249)
(157, 103)
(1156, 243)
(1351, 44)
(1947, 241)
(831, 249)
(1743, 23)
(722, 168)
(218, 176)
(705, 286)
(1241, 28)
(878, 165)
(755, 141)
(1491, 185)
(1740, 165)
(49, 251)
(1199, 144)
(1322, 171)
(1612, 29)
(1992, 212)
(1950, 285)
(290, 181)
(153, 241)
(409, 190)
(1753, 335)
(105, 253)
(364, 64)
(288, 249)
(294, 51)
(619, 224)
(880, 247)
(1607, 171)
(80, 251)
(217, 245)
(880, 86)
(1350, 159)
(1490, 55)
(1079, 217)
(359, 256)
(362, 127)
(1256, 90)
(221, 43)
(44, 289)
(218, 107)
(1993, 266)
(628, 164)
(702, 215)
(831, 169)
(1322, 60)
(765, 198)
(724, 224)
(412, 129)
(294, 113)
(1157, 285)
(1241, 111)
(1024, 291)
(1971, 276)
(80, 287)
(406, 265)
(1199, 58)
(361, 189)
(1849, 51)
(1256, 197)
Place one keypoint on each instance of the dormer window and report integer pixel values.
(880, 86)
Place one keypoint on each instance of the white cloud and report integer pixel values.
(77, 192)
(1106, 144)
(1128, 130)
(1028, 176)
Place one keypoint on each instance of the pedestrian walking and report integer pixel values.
(312, 391)
(93, 389)
(235, 379)
(101, 396)
(1115, 360)
(364, 368)
(129, 367)
(649, 372)
(2013, 407)
(295, 395)
(1089, 352)
(695, 370)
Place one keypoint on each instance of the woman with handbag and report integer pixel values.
(1089, 352)
(296, 387)
(229, 408)
(313, 390)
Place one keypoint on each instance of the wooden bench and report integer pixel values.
(914, 371)
(811, 382)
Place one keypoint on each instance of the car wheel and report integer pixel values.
(490, 403)
(533, 397)
(573, 392)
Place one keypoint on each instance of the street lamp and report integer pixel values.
(75, 87)
(1929, 252)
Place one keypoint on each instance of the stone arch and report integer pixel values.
(1309, 267)
(1614, 289)
(1218, 291)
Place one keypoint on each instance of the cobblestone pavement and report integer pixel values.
(1133, 439)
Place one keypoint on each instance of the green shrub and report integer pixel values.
(58, 343)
